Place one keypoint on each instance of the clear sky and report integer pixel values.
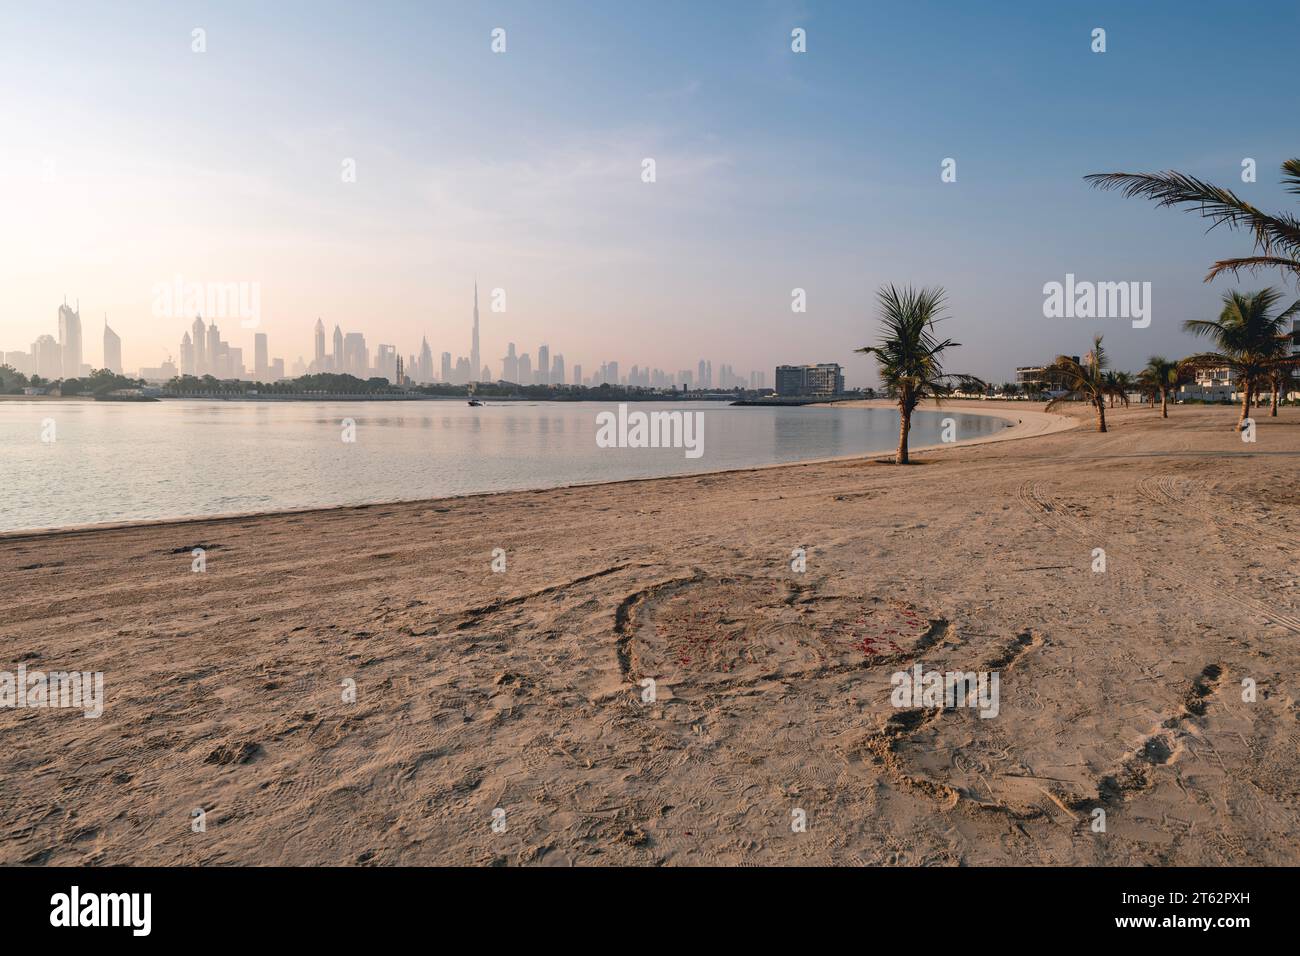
(127, 159)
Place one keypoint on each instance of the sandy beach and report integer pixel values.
(519, 699)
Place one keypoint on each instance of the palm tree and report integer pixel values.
(1118, 385)
(1276, 376)
(1158, 378)
(1251, 342)
(1277, 238)
(909, 356)
(1086, 381)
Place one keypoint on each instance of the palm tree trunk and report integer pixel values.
(1164, 403)
(1276, 386)
(1245, 406)
(904, 426)
(1101, 414)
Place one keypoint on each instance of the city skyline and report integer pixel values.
(204, 350)
(348, 196)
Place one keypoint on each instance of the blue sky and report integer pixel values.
(128, 159)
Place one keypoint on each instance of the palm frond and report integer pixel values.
(1251, 264)
(1221, 206)
(1291, 175)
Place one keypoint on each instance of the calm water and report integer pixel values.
(121, 462)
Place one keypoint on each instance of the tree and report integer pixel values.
(1118, 385)
(1276, 238)
(11, 380)
(1086, 381)
(909, 357)
(1158, 378)
(1250, 341)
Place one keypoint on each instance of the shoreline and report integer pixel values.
(1038, 423)
(499, 646)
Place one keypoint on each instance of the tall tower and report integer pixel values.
(112, 349)
(187, 355)
(338, 350)
(214, 367)
(200, 347)
(261, 362)
(474, 362)
(70, 341)
(424, 371)
(319, 365)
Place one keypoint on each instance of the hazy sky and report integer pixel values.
(126, 159)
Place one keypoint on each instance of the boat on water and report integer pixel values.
(474, 403)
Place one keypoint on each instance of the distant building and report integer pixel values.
(356, 357)
(318, 362)
(261, 363)
(200, 347)
(424, 369)
(386, 363)
(47, 358)
(823, 379)
(112, 350)
(188, 366)
(69, 342)
(20, 362)
(1041, 378)
(164, 373)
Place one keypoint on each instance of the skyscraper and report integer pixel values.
(356, 357)
(544, 365)
(319, 365)
(70, 341)
(510, 365)
(446, 366)
(187, 355)
(200, 347)
(338, 365)
(47, 357)
(474, 363)
(215, 353)
(112, 349)
(424, 371)
(557, 370)
(260, 364)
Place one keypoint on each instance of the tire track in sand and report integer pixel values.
(1163, 490)
(1057, 519)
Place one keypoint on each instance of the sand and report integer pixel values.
(520, 692)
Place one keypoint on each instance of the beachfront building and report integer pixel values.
(822, 380)
(1210, 385)
(1040, 378)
